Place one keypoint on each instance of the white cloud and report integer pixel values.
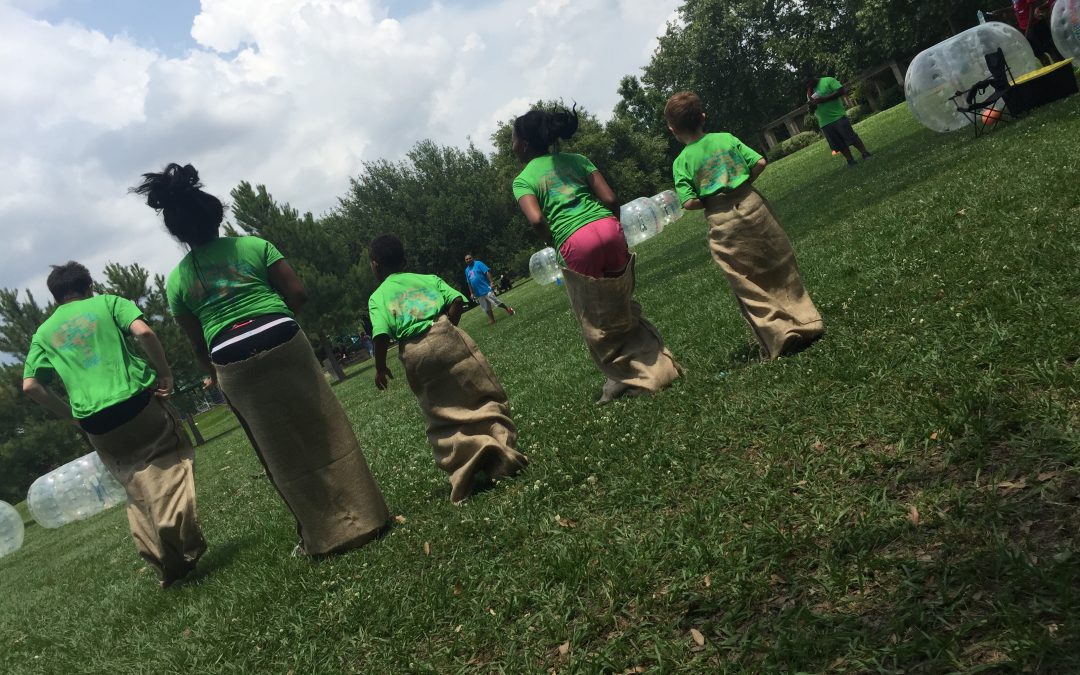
(295, 94)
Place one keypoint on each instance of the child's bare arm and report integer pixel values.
(756, 170)
(48, 400)
(382, 372)
(694, 204)
(453, 312)
(603, 192)
(530, 206)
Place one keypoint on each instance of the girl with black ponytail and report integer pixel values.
(236, 298)
(570, 205)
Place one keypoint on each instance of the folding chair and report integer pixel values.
(984, 113)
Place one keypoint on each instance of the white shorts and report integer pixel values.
(488, 302)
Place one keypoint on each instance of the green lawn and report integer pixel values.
(901, 497)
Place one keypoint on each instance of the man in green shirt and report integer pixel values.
(117, 399)
(825, 97)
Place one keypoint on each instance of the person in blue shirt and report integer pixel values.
(480, 283)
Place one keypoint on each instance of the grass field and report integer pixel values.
(902, 497)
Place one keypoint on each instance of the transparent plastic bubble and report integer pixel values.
(669, 206)
(77, 490)
(544, 267)
(11, 529)
(1065, 28)
(957, 64)
(641, 219)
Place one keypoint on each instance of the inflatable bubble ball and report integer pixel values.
(11, 529)
(1065, 28)
(77, 490)
(955, 65)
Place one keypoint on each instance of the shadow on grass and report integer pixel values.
(217, 557)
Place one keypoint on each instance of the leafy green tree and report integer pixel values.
(443, 202)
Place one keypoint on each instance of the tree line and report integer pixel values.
(743, 57)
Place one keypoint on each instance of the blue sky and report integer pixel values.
(165, 25)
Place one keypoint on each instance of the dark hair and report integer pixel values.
(388, 251)
(191, 215)
(68, 279)
(541, 129)
(683, 111)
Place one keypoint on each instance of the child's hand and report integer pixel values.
(381, 377)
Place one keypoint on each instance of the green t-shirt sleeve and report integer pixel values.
(271, 254)
(522, 187)
(37, 361)
(172, 295)
(380, 323)
(684, 181)
(749, 155)
(123, 311)
(585, 165)
(448, 292)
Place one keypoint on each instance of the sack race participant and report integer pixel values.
(118, 401)
(716, 172)
(235, 298)
(468, 416)
(570, 205)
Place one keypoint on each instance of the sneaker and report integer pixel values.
(510, 310)
(852, 162)
(867, 156)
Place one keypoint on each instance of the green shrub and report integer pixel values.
(810, 122)
(891, 96)
(857, 113)
(793, 144)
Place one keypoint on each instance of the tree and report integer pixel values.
(443, 202)
(744, 57)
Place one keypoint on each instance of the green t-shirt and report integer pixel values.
(83, 342)
(225, 281)
(711, 164)
(830, 111)
(406, 304)
(560, 182)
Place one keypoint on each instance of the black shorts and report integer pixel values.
(247, 338)
(839, 134)
(107, 419)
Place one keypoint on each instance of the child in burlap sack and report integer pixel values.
(716, 172)
(468, 416)
(569, 204)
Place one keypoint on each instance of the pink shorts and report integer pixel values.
(597, 249)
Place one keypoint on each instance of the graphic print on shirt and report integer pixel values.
(563, 185)
(74, 337)
(718, 171)
(419, 303)
(216, 282)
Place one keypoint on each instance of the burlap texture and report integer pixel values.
(756, 256)
(468, 416)
(152, 457)
(623, 344)
(307, 445)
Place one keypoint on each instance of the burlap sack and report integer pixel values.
(468, 416)
(756, 256)
(307, 445)
(623, 344)
(152, 457)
